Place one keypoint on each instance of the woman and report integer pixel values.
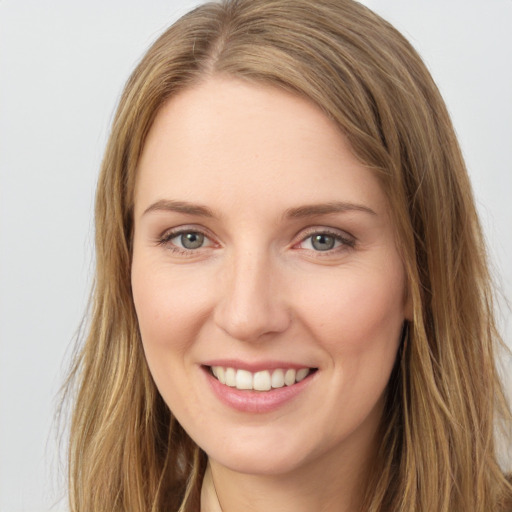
(292, 307)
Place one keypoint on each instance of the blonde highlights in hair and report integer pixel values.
(127, 451)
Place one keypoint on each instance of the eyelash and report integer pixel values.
(165, 240)
(346, 242)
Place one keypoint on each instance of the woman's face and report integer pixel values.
(264, 253)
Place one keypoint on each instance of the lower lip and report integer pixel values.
(256, 401)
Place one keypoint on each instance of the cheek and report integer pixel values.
(169, 305)
(358, 322)
(167, 313)
(357, 312)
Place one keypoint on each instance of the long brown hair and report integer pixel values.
(444, 400)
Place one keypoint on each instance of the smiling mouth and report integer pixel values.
(264, 380)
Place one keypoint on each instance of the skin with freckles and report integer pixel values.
(260, 238)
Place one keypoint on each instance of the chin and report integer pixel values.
(259, 462)
(272, 455)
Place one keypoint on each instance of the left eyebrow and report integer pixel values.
(311, 210)
(180, 207)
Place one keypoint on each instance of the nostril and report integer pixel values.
(251, 323)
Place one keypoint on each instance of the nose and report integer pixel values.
(251, 302)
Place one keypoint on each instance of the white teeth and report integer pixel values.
(277, 379)
(263, 380)
(289, 377)
(221, 375)
(230, 377)
(302, 374)
(243, 379)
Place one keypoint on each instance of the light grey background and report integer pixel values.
(62, 68)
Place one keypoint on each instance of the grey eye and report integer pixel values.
(192, 240)
(323, 242)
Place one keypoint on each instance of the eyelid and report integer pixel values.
(167, 235)
(347, 240)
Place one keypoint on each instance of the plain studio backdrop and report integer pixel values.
(62, 67)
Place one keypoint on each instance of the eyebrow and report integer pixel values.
(180, 207)
(312, 210)
(309, 210)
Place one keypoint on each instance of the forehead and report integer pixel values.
(233, 141)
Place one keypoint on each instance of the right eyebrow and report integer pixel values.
(312, 210)
(180, 207)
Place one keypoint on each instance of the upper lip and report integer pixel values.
(255, 366)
